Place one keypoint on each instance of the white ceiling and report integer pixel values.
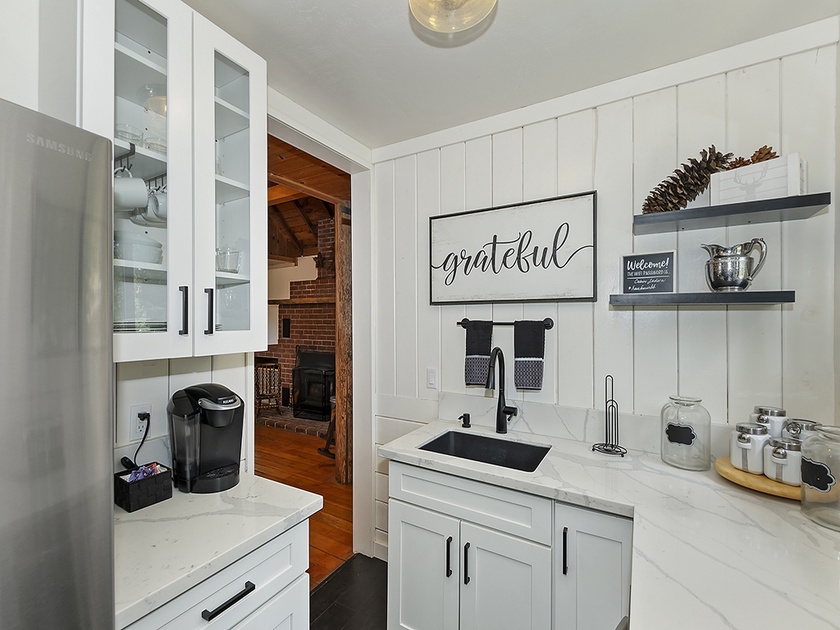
(365, 67)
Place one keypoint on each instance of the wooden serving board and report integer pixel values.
(725, 469)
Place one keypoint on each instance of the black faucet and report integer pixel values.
(503, 412)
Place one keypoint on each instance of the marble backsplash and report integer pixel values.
(636, 432)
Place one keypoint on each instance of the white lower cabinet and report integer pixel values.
(465, 555)
(593, 552)
(448, 569)
(267, 589)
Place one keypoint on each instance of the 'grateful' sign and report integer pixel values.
(539, 251)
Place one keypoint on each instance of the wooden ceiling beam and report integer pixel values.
(287, 259)
(285, 226)
(330, 208)
(312, 229)
(310, 192)
(280, 194)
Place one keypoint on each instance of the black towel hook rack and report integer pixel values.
(547, 322)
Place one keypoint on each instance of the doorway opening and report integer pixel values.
(303, 381)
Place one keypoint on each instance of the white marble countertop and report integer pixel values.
(167, 548)
(707, 553)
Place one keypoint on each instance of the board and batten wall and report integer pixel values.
(622, 147)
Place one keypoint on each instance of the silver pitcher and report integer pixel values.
(733, 268)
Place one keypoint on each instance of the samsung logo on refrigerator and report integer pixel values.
(58, 147)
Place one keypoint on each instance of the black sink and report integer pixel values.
(480, 448)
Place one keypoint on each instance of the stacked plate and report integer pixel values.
(139, 326)
(137, 247)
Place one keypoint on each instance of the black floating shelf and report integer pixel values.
(664, 299)
(762, 211)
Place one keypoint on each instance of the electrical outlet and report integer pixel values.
(136, 426)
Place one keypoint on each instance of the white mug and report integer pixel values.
(149, 213)
(129, 192)
(160, 208)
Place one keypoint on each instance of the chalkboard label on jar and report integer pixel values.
(680, 434)
(817, 475)
(648, 273)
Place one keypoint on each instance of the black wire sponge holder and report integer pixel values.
(610, 446)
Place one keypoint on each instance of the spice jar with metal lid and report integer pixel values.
(783, 460)
(820, 470)
(746, 447)
(765, 410)
(772, 417)
(686, 433)
(799, 429)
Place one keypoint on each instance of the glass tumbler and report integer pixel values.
(686, 433)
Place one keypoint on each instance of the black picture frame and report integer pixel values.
(543, 250)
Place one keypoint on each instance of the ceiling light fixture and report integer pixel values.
(450, 16)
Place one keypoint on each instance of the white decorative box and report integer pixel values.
(783, 176)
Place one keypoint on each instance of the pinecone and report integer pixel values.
(763, 154)
(738, 162)
(676, 191)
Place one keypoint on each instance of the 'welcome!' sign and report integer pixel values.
(648, 273)
(538, 251)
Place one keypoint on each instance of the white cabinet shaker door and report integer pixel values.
(423, 569)
(593, 552)
(505, 581)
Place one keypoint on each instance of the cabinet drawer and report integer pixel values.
(287, 611)
(516, 513)
(269, 568)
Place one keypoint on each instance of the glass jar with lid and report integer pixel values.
(820, 470)
(686, 433)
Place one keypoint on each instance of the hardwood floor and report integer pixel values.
(293, 459)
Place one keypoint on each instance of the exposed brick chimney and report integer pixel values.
(311, 309)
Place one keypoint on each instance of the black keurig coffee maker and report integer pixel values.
(205, 429)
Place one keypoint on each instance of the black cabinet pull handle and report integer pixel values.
(448, 557)
(210, 327)
(208, 615)
(565, 546)
(466, 564)
(185, 310)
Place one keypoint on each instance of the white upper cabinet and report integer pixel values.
(188, 117)
(230, 192)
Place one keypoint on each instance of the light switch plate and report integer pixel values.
(431, 378)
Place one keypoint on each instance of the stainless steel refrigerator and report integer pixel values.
(56, 427)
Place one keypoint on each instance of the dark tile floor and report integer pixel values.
(352, 598)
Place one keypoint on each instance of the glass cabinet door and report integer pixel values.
(153, 180)
(230, 193)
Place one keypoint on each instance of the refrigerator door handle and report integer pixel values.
(210, 326)
(185, 310)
